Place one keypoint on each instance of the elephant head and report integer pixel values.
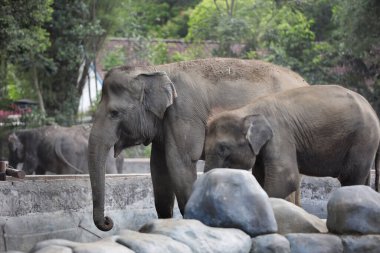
(19, 153)
(132, 105)
(16, 150)
(234, 142)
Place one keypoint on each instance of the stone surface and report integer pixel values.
(199, 237)
(361, 244)
(314, 243)
(146, 243)
(129, 201)
(47, 207)
(54, 249)
(315, 192)
(231, 198)
(354, 210)
(293, 219)
(272, 243)
(106, 245)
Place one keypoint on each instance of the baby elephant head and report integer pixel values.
(16, 150)
(234, 142)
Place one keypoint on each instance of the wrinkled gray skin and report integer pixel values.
(61, 150)
(320, 130)
(168, 106)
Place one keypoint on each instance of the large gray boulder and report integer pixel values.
(354, 210)
(315, 243)
(106, 245)
(361, 244)
(231, 198)
(148, 243)
(293, 219)
(272, 243)
(199, 237)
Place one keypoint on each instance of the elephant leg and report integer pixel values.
(162, 186)
(281, 181)
(295, 197)
(184, 146)
(40, 171)
(357, 167)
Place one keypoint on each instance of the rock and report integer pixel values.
(146, 243)
(199, 237)
(105, 245)
(54, 249)
(354, 210)
(53, 243)
(364, 243)
(273, 243)
(293, 219)
(64, 246)
(315, 243)
(231, 198)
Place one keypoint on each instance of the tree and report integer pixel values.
(358, 47)
(226, 22)
(23, 40)
(77, 31)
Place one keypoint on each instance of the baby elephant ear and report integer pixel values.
(13, 141)
(158, 92)
(258, 132)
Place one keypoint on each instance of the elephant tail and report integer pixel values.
(58, 151)
(377, 165)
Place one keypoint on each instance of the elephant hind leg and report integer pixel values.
(357, 168)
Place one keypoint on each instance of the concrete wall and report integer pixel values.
(45, 207)
(41, 208)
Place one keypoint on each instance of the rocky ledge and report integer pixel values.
(229, 212)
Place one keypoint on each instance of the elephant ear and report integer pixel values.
(14, 142)
(258, 131)
(158, 92)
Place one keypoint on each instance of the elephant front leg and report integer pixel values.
(281, 181)
(184, 146)
(162, 186)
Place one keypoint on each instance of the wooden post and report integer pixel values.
(3, 168)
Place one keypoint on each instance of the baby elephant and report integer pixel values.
(320, 130)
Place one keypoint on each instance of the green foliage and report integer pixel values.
(23, 37)
(114, 58)
(140, 151)
(141, 18)
(36, 119)
(359, 23)
(193, 51)
(158, 53)
(176, 27)
(153, 18)
(291, 42)
(202, 20)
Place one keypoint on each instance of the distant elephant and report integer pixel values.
(168, 106)
(61, 150)
(320, 130)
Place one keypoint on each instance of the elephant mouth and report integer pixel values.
(123, 144)
(147, 142)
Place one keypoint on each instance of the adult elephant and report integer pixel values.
(169, 106)
(61, 150)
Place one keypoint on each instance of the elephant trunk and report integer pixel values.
(98, 152)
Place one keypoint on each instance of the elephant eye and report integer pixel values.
(114, 114)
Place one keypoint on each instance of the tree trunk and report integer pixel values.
(37, 87)
(3, 74)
